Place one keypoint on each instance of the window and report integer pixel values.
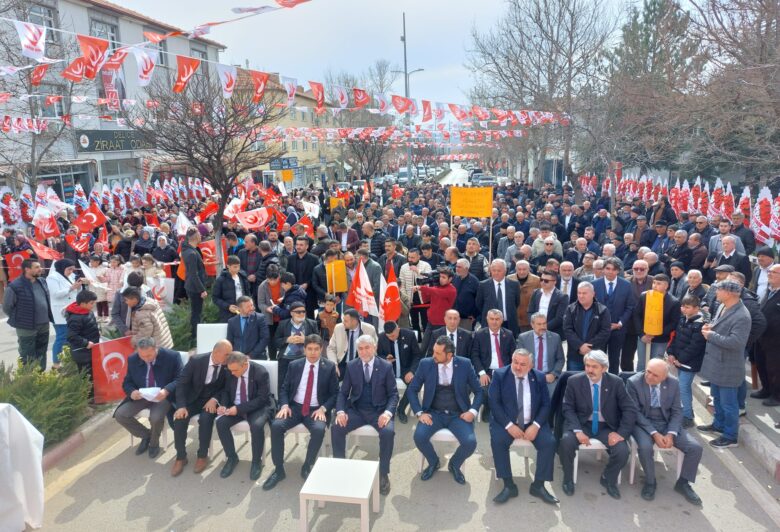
(314, 145)
(44, 16)
(162, 48)
(305, 145)
(199, 53)
(295, 145)
(293, 113)
(105, 30)
(284, 146)
(54, 109)
(303, 116)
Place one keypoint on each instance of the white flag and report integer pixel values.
(33, 39)
(182, 224)
(342, 95)
(228, 76)
(290, 86)
(146, 60)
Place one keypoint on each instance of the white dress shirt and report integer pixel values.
(452, 335)
(762, 283)
(300, 393)
(237, 281)
(601, 401)
(526, 401)
(544, 302)
(493, 353)
(344, 240)
(446, 371)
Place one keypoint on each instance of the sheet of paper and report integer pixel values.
(150, 393)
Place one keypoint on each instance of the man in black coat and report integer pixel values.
(556, 302)
(245, 397)
(300, 402)
(492, 348)
(289, 337)
(27, 304)
(301, 264)
(671, 316)
(231, 284)
(460, 337)
(768, 342)
(400, 348)
(248, 332)
(195, 278)
(586, 326)
(198, 390)
(499, 286)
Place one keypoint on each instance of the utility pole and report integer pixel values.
(408, 118)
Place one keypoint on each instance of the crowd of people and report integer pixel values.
(520, 318)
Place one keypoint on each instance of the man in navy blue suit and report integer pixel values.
(148, 367)
(368, 396)
(248, 332)
(616, 294)
(519, 408)
(448, 382)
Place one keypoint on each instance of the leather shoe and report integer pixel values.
(568, 488)
(305, 470)
(612, 489)
(142, 447)
(384, 484)
(457, 474)
(154, 452)
(542, 493)
(770, 402)
(178, 467)
(505, 494)
(429, 471)
(228, 468)
(648, 492)
(684, 488)
(402, 417)
(200, 465)
(255, 470)
(760, 394)
(276, 477)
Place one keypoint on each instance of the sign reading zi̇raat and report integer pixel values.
(99, 140)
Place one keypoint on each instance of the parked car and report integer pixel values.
(343, 186)
(359, 183)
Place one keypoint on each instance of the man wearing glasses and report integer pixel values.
(639, 282)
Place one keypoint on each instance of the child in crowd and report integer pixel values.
(686, 352)
(328, 317)
(115, 276)
(99, 271)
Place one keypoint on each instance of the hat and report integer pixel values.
(729, 286)
(641, 217)
(661, 223)
(297, 304)
(618, 238)
(677, 264)
(725, 268)
(766, 252)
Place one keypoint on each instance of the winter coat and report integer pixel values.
(148, 320)
(689, 344)
(82, 328)
(724, 357)
(61, 294)
(296, 293)
(224, 293)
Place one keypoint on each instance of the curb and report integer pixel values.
(53, 456)
(757, 444)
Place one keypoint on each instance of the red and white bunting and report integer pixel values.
(291, 87)
(32, 38)
(186, 68)
(93, 50)
(260, 80)
(228, 77)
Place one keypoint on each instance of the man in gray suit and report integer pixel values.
(546, 348)
(659, 422)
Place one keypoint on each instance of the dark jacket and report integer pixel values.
(167, 367)
(283, 333)
(617, 407)
(378, 244)
(384, 391)
(408, 351)
(597, 334)
(502, 396)
(124, 248)
(255, 337)
(82, 329)
(327, 383)
(258, 390)
(296, 293)
(466, 300)
(482, 348)
(166, 254)
(143, 247)
(262, 266)
(555, 310)
(671, 317)
(192, 381)
(689, 344)
(195, 278)
(242, 256)
(224, 293)
(18, 303)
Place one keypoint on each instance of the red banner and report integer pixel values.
(260, 80)
(318, 91)
(209, 251)
(186, 67)
(361, 98)
(93, 50)
(109, 366)
(255, 219)
(14, 263)
(90, 218)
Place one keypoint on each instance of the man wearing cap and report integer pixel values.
(679, 285)
(744, 233)
(679, 250)
(661, 241)
(724, 362)
(760, 281)
(721, 273)
(644, 236)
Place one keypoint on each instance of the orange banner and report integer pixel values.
(654, 313)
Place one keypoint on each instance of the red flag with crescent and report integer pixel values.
(307, 223)
(93, 50)
(318, 91)
(89, 219)
(186, 67)
(361, 98)
(255, 219)
(401, 104)
(44, 252)
(260, 80)
(209, 251)
(14, 263)
(80, 244)
(45, 224)
(109, 367)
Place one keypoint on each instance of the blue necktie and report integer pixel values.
(610, 290)
(594, 424)
(243, 324)
(654, 400)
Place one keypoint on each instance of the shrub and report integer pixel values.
(179, 322)
(55, 402)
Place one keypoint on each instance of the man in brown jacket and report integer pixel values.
(528, 283)
(146, 318)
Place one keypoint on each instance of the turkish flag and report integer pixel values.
(109, 366)
(93, 50)
(186, 67)
(209, 251)
(255, 219)
(44, 252)
(14, 263)
(427, 113)
(260, 80)
(90, 218)
(307, 223)
(151, 219)
(361, 98)
(208, 210)
(401, 104)
(80, 244)
(45, 224)
(280, 218)
(391, 298)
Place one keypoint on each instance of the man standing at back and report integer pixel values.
(195, 278)
(27, 304)
(615, 293)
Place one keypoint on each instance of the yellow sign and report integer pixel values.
(477, 202)
(336, 273)
(654, 313)
(335, 203)
(288, 176)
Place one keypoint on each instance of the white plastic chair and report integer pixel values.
(441, 435)
(524, 446)
(595, 445)
(209, 334)
(656, 451)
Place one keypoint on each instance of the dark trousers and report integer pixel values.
(500, 441)
(196, 309)
(418, 317)
(768, 368)
(618, 454)
(629, 350)
(357, 419)
(205, 430)
(614, 349)
(256, 420)
(279, 428)
(33, 344)
(463, 432)
(690, 448)
(271, 345)
(125, 416)
(403, 402)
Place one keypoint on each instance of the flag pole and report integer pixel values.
(490, 240)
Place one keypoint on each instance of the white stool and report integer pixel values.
(657, 450)
(163, 436)
(524, 446)
(441, 435)
(595, 445)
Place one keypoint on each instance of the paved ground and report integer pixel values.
(457, 176)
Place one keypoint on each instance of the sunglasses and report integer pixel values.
(548, 280)
(298, 312)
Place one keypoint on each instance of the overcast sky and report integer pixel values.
(305, 41)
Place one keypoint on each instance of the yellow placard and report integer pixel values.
(654, 313)
(336, 273)
(335, 203)
(288, 176)
(477, 202)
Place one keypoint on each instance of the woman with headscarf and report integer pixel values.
(125, 246)
(63, 289)
(145, 244)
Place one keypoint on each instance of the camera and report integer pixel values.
(428, 279)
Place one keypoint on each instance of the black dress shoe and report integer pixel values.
(684, 488)
(276, 477)
(305, 470)
(402, 417)
(612, 489)
(648, 492)
(708, 428)
(760, 394)
(142, 447)
(688, 423)
(770, 402)
(705, 383)
(568, 488)
(154, 451)
(505, 494)
(429, 471)
(384, 484)
(541, 492)
(228, 468)
(457, 474)
(255, 470)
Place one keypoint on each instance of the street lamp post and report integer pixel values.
(407, 74)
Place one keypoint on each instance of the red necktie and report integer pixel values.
(243, 390)
(540, 356)
(498, 350)
(306, 408)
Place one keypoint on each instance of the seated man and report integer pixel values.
(546, 348)
(301, 402)
(460, 337)
(449, 381)
(248, 331)
(519, 407)
(368, 396)
(289, 337)
(596, 405)
(341, 347)
(659, 422)
(492, 349)
(400, 348)
(148, 367)
(197, 394)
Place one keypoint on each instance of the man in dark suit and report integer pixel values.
(449, 382)
(659, 423)
(596, 405)
(551, 300)
(520, 407)
(768, 342)
(148, 367)
(197, 394)
(195, 278)
(246, 397)
(400, 348)
(492, 349)
(586, 326)
(391, 258)
(301, 402)
(567, 283)
(348, 239)
(546, 348)
(301, 264)
(461, 338)
(500, 293)
(731, 257)
(248, 332)
(615, 293)
(368, 396)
